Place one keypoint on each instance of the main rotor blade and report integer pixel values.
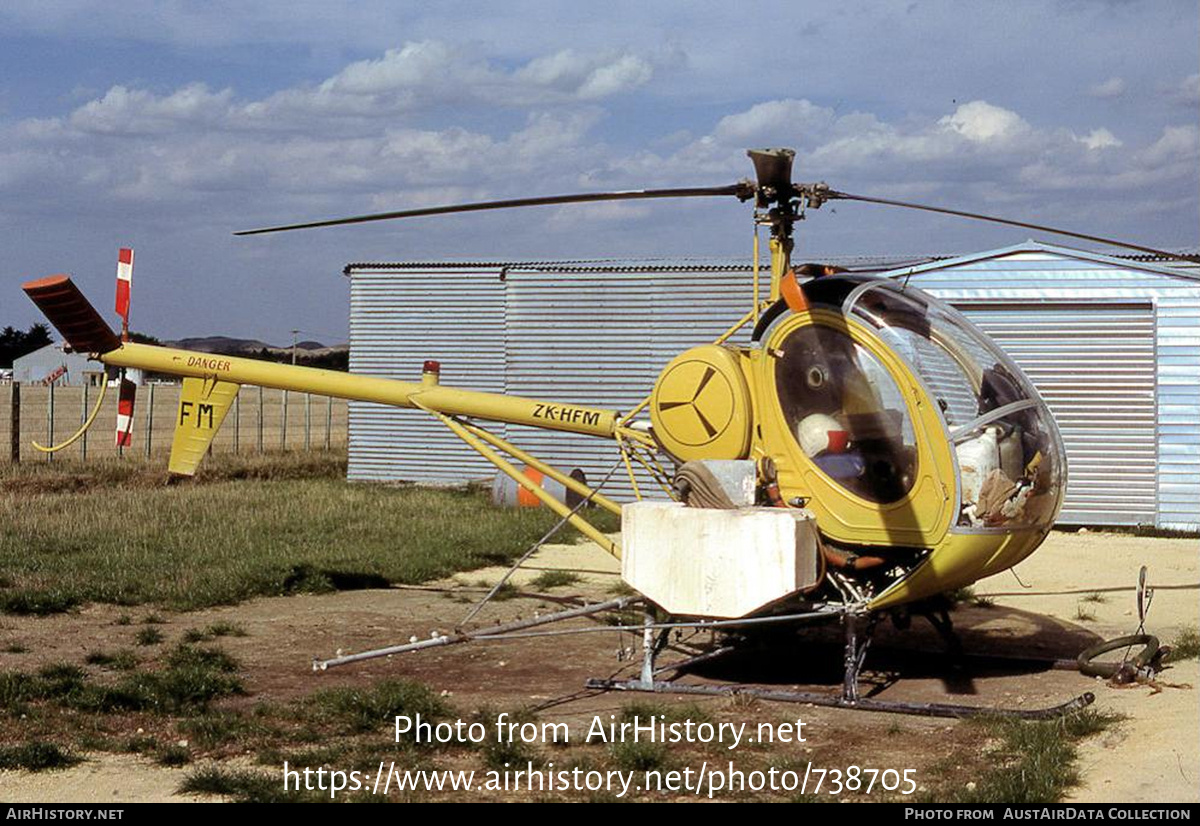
(743, 190)
(833, 194)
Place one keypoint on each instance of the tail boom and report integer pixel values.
(448, 400)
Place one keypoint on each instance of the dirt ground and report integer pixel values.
(1077, 589)
(1154, 756)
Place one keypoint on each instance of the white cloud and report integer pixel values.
(129, 111)
(1188, 91)
(425, 76)
(1177, 144)
(586, 77)
(787, 122)
(433, 74)
(1100, 139)
(1114, 87)
(982, 122)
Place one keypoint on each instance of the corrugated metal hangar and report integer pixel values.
(1113, 345)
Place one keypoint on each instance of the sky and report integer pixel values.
(165, 126)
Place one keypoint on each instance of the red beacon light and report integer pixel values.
(431, 372)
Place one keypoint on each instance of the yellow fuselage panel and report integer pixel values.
(922, 516)
(959, 560)
(700, 407)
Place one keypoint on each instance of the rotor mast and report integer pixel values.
(779, 203)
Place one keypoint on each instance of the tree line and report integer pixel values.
(15, 343)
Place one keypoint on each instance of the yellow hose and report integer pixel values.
(83, 429)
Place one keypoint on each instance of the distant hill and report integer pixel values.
(309, 353)
(222, 345)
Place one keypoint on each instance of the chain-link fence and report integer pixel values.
(258, 420)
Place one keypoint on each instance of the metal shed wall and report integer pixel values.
(399, 317)
(1114, 346)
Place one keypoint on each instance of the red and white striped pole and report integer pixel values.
(124, 284)
(128, 389)
(125, 412)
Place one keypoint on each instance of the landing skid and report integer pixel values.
(856, 645)
(838, 701)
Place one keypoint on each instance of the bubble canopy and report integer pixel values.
(848, 412)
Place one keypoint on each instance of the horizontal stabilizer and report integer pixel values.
(71, 314)
(203, 404)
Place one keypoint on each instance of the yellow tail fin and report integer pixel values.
(202, 408)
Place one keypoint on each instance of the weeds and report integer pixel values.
(1033, 762)
(547, 580)
(36, 756)
(504, 754)
(374, 709)
(225, 629)
(139, 744)
(174, 756)
(968, 596)
(504, 592)
(638, 756)
(36, 602)
(243, 786)
(123, 660)
(211, 730)
(1185, 646)
(149, 636)
(191, 680)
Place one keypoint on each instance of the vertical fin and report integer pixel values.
(203, 404)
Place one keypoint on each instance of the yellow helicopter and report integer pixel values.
(909, 454)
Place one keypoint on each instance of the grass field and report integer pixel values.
(117, 532)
